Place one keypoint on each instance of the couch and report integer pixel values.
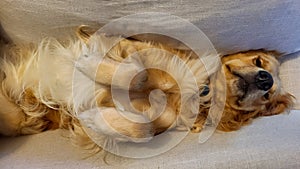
(231, 25)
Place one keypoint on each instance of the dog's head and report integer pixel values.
(253, 84)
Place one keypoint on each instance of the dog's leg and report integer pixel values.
(126, 126)
(122, 125)
(124, 74)
(118, 125)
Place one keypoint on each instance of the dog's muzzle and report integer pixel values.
(264, 80)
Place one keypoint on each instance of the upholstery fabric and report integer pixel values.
(289, 76)
(231, 25)
(268, 143)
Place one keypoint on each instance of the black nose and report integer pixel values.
(264, 80)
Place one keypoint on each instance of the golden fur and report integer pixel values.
(37, 89)
(241, 107)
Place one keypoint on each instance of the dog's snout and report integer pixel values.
(264, 80)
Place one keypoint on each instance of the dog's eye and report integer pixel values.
(204, 91)
(258, 62)
(267, 96)
(228, 68)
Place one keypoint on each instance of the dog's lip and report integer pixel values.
(243, 86)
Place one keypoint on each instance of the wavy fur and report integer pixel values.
(51, 85)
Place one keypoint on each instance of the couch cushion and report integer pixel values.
(269, 142)
(231, 25)
(289, 74)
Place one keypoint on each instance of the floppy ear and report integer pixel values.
(279, 104)
(274, 53)
(84, 32)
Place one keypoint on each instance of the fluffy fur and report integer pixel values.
(49, 86)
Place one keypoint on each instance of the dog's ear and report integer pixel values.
(84, 32)
(279, 104)
(276, 54)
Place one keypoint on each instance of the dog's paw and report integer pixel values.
(126, 74)
(119, 125)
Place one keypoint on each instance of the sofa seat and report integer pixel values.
(268, 143)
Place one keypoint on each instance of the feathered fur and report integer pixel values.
(52, 86)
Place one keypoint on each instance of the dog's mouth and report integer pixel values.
(243, 87)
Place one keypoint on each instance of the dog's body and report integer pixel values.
(50, 87)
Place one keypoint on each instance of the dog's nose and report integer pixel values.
(264, 80)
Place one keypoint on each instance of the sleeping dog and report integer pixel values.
(71, 86)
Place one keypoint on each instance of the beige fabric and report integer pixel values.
(268, 143)
(290, 77)
(231, 25)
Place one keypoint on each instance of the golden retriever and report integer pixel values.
(49, 87)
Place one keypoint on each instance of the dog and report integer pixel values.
(71, 86)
